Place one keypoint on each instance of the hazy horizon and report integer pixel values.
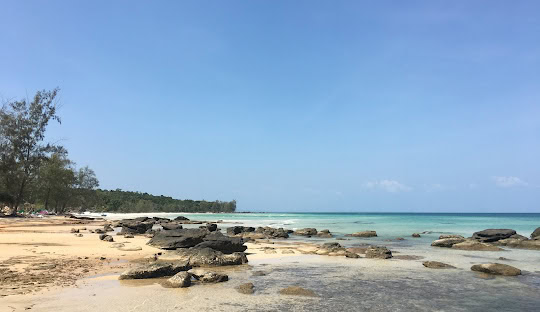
(304, 106)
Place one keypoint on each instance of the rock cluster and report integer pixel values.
(378, 252)
(199, 238)
(306, 232)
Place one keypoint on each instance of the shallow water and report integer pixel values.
(341, 285)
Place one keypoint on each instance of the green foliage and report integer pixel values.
(124, 201)
(34, 175)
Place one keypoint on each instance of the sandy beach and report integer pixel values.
(45, 267)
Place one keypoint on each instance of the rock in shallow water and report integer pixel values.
(437, 265)
(475, 245)
(493, 235)
(496, 269)
(378, 253)
(306, 232)
(363, 234)
(246, 289)
(536, 234)
(447, 242)
(180, 279)
(297, 291)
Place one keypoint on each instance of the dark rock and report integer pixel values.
(212, 277)
(171, 226)
(108, 238)
(437, 265)
(258, 273)
(180, 279)
(152, 270)
(536, 234)
(363, 234)
(173, 239)
(135, 227)
(297, 291)
(239, 229)
(78, 235)
(246, 289)
(108, 228)
(493, 235)
(496, 269)
(270, 232)
(99, 231)
(225, 244)
(128, 236)
(181, 218)
(211, 227)
(306, 232)
(400, 238)
(74, 230)
(416, 235)
(378, 253)
(203, 257)
(447, 242)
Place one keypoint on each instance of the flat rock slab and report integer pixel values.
(437, 265)
(156, 269)
(297, 291)
(493, 235)
(476, 246)
(496, 269)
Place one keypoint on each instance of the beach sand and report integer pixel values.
(50, 269)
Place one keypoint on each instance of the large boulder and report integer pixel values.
(378, 252)
(225, 244)
(363, 234)
(447, 242)
(536, 234)
(493, 235)
(496, 269)
(156, 269)
(173, 239)
(476, 246)
(180, 279)
(181, 218)
(437, 265)
(135, 227)
(306, 232)
(205, 257)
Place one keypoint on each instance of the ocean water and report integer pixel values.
(387, 225)
(343, 284)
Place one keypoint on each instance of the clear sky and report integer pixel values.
(292, 105)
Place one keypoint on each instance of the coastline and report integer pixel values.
(30, 245)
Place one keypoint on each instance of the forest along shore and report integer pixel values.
(40, 254)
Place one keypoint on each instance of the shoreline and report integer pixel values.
(34, 243)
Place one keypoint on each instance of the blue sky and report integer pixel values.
(292, 105)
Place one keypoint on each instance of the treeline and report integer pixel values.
(124, 201)
(35, 175)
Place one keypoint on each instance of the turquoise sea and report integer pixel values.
(387, 225)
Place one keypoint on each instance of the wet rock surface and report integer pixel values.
(297, 291)
(363, 234)
(496, 269)
(437, 265)
(155, 269)
(493, 235)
